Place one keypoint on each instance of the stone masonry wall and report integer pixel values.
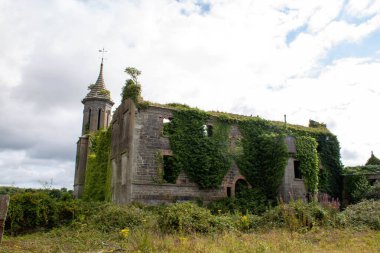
(137, 139)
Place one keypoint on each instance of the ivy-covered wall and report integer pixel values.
(264, 157)
(204, 158)
(261, 153)
(308, 157)
(98, 171)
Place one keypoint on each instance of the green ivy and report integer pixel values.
(308, 157)
(326, 165)
(98, 171)
(264, 156)
(205, 159)
(131, 90)
(330, 174)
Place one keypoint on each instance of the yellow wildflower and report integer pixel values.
(183, 240)
(124, 232)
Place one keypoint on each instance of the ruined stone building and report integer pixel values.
(137, 138)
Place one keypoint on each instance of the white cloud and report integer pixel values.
(362, 8)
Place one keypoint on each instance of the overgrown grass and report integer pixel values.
(279, 240)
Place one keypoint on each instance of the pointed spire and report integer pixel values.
(98, 90)
(100, 81)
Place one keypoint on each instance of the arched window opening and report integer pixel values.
(240, 187)
(207, 130)
(166, 126)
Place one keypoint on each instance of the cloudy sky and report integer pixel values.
(307, 59)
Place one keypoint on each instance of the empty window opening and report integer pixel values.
(88, 120)
(108, 118)
(297, 171)
(99, 114)
(372, 182)
(125, 124)
(207, 130)
(166, 122)
(241, 187)
(229, 192)
(169, 175)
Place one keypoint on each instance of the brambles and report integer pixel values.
(364, 214)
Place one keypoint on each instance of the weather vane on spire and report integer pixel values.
(102, 51)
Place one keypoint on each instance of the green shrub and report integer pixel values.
(132, 91)
(39, 209)
(356, 188)
(29, 211)
(374, 192)
(251, 201)
(187, 217)
(247, 201)
(115, 217)
(223, 206)
(298, 215)
(365, 213)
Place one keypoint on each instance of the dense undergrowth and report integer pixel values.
(52, 221)
(40, 210)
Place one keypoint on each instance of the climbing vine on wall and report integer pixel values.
(264, 156)
(308, 157)
(98, 172)
(330, 174)
(204, 158)
(256, 130)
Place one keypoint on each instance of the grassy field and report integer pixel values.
(278, 240)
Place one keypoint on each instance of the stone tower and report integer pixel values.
(96, 115)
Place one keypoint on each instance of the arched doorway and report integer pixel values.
(240, 187)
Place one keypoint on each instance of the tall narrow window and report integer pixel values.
(99, 113)
(166, 126)
(297, 170)
(87, 126)
(108, 118)
(207, 130)
(169, 174)
(229, 192)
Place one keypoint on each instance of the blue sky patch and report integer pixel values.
(292, 35)
(364, 48)
(204, 7)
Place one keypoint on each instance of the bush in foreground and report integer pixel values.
(114, 218)
(39, 210)
(364, 214)
(299, 215)
(187, 217)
